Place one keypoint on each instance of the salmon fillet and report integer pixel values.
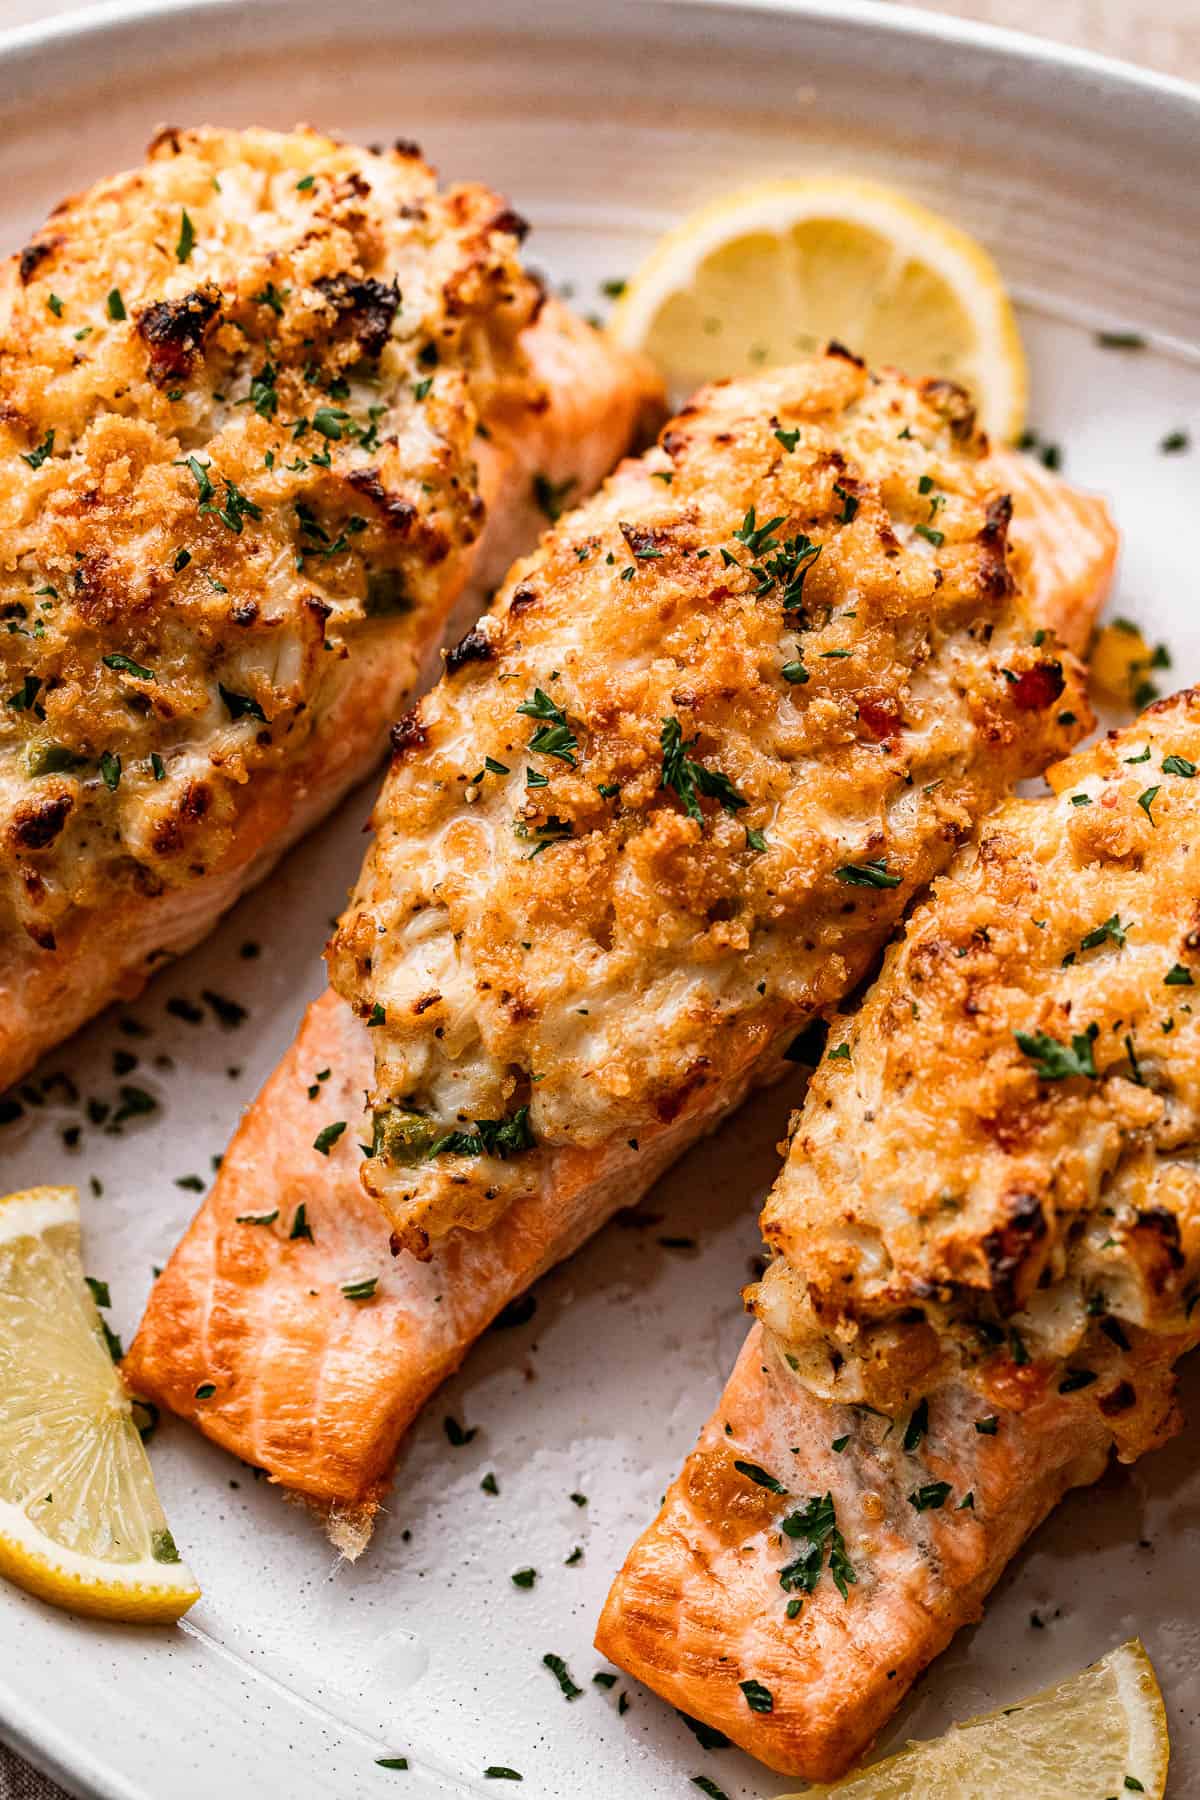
(987, 1239)
(247, 479)
(234, 1307)
(699, 1609)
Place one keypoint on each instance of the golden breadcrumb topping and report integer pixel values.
(239, 393)
(673, 794)
(996, 1161)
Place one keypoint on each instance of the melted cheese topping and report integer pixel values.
(673, 794)
(1005, 1166)
(241, 387)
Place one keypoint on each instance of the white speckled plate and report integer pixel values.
(603, 121)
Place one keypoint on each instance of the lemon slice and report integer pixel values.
(80, 1521)
(775, 271)
(1103, 1732)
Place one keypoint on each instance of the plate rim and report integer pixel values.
(897, 20)
(31, 1732)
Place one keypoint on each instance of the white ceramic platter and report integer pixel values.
(602, 121)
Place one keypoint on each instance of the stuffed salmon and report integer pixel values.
(664, 809)
(271, 405)
(987, 1262)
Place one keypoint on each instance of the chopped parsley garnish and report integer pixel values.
(562, 1675)
(987, 1427)
(707, 1736)
(305, 184)
(1178, 976)
(391, 1762)
(931, 1496)
(1120, 340)
(361, 1290)
(331, 422)
(1054, 1061)
(815, 1527)
(554, 738)
(99, 1291)
(497, 1772)
(1111, 928)
(850, 503)
(187, 238)
(1074, 1379)
(758, 538)
(491, 1137)
(262, 396)
(300, 1225)
(1146, 801)
(489, 1484)
(708, 1786)
(872, 874)
(182, 559)
(206, 1390)
(237, 507)
(261, 1219)
(759, 1476)
(789, 439)
(328, 1136)
(578, 1499)
(551, 496)
(918, 1425)
(241, 706)
(839, 1053)
(524, 1578)
(839, 1444)
(115, 304)
(55, 305)
(758, 1698)
(795, 672)
(1178, 765)
(35, 458)
(755, 839)
(458, 1435)
(689, 778)
(936, 538)
(110, 770)
(126, 665)
(378, 1016)
(271, 296)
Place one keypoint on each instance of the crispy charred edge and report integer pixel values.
(836, 348)
(476, 646)
(400, 515)
(34, 255)
(408, 733)
(955, 405)
(38, 822)
(174, 332)
(995, 574)
(1007, 1249)
(368, 307)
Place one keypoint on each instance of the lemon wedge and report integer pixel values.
(80, 1521)
(774, 271)
(1103, 1732)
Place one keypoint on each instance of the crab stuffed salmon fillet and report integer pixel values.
(273, 405)
(665, 807)
(987, 1261)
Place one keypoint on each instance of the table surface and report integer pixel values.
(1161, 34)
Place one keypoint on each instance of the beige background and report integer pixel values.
(1163, 34)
